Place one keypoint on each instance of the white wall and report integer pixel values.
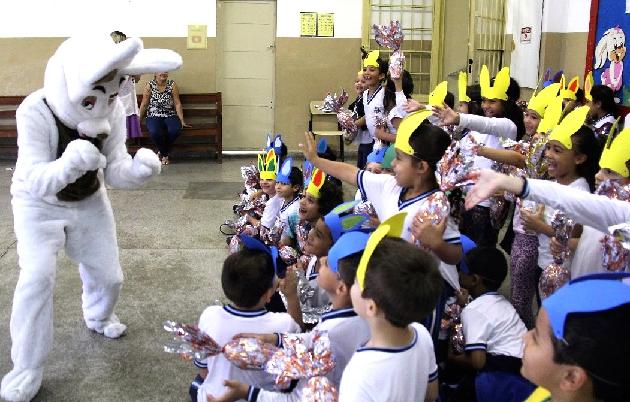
(146, 18)
(566, 15)
(348, 16)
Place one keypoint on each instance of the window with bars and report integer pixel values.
(421, 24)
(487, 36)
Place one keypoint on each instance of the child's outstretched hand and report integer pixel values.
(487, 183)
(428, 234)
(446, 115)
(309, 148)
(236, 390)
(412, 105)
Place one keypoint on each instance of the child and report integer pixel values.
(602, 112)
(502, 118)
(572, 152)
(492, 329)
(374, 73)
(327, 230)
(397, 91)
(396, 286)
(589, 253)
(524, 252)
(579, 347)
(249, 281)
(321, 195)
(363, 135)
(345, 330)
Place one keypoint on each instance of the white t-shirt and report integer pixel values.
(127, 95)
(491, 323)
(385, 194)
(346, 332)
(544, 252)
(222, 323)
(270, 213)
(391, 374)
(373, 106)
(588, 255)
(288, 209)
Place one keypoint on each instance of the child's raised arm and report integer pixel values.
(503, 156)
(342, 171)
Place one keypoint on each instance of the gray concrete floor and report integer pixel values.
(171, 251)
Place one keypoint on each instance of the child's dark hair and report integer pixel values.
(598, 343)
(403, 280)
(246, 276)
(347, 268)
(295, 177)
(330, 195)
(429, 143)
(389, 97)
(449, 99)
(511, 110)
(474, 105)
(383, 65)
(283, 152)
(489, 264)
(585, 142)
(329, 154)
(605, 95)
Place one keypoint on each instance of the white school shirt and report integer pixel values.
(588, 254)
(222, 323)
(495, 126)
(385, 194)
(270, 213)
(491, 323)
(391, 374)
(127, 95)
(288, 209)
(346, 332)
(544, 252)
(373, 106)
(597, 211)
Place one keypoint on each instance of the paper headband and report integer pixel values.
(348, 244)
(391, 227)
(553, 113)
(437, 96)
(407, 126)
(587, 294)
(539, 101)
(569, 91)
(252, 243)
(268, 167)
(467, 245)
(569, 126)
(341, 219)
(462, 85)
(616, 153)
(372, 59)
(588, 85)
(276, 144)
(316, 182)
(285, 171)
(376, 156)
(500, 87)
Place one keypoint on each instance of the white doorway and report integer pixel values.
(246, 31)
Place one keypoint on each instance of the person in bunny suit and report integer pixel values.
(71, 139)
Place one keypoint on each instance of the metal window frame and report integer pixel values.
(486, 48)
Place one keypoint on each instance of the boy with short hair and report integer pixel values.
(397, 285)
(248, 280)
(493, 330)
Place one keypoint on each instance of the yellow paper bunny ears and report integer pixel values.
(462, 84)
(372, 59)
(391, 227)
(588, 85)
(617, 152)
(437, 96)
(570, 90)
(407, 126)
(569, 126)
(500, 87)
(268, 167)
(539, 101)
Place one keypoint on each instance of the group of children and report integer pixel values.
(382, 275)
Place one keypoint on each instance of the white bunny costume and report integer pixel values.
(71, 139)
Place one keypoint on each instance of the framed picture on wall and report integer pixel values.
(606, 49)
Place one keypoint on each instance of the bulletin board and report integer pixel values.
(317, 24)
(606, 49)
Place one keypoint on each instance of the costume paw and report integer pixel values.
(111, 328)
(83, 156)
(146, 163)
(21, 384)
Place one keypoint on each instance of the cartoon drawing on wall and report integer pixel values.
(611, 47)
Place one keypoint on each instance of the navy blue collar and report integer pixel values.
(371, 97)
(339, 313)
(489, 293)
(403, 204)
(244, 313)
(393, 350)
(288, 204)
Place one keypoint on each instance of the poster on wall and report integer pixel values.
(606, 49)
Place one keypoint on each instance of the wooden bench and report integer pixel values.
(201, 111)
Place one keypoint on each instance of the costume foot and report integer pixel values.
(21, 384)
(111, 328)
